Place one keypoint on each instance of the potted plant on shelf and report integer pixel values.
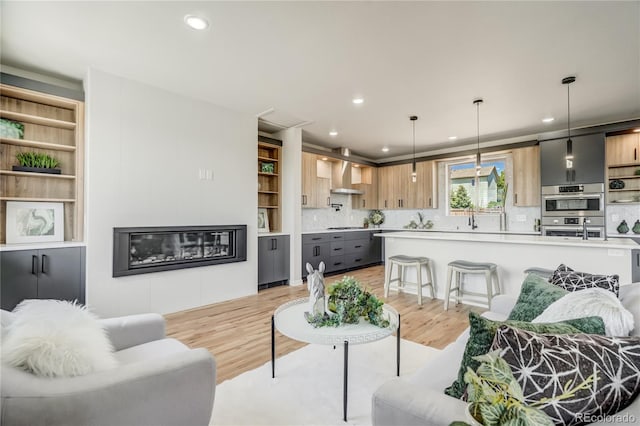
(36, 163)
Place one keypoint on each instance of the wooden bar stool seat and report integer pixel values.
(401, 262)
(456, 271)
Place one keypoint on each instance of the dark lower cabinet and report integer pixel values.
(341, 251)
(57, 273)
(273, 260)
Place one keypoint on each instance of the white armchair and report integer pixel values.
(159, 381)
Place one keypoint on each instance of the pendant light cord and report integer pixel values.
(478, 123)
(568, 112)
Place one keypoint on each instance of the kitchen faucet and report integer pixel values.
(472, 219)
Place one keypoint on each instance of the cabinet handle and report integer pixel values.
(573, 175)
(337, 263)
(357, 246)
(385, 204)
(316, 251)
(635, 153)
(429, 201)
(337, 249)
(328, 201)
(34, 264)
(358, 260)
(42, 269)
(364, 203)
(568, 179)
(316, 238)
(515, 198)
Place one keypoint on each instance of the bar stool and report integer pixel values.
(541, 272)
(460, 267)
(403, 262)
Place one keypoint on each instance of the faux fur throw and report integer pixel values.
(56, 338)
(588, 303)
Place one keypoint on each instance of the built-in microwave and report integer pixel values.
(573, 200)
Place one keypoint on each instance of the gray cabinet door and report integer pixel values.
(280, 252)
(635, 265)
(553, 170)
(18, 277)
(314, 254)
(59, 275)
(588, 160)
(273, 259)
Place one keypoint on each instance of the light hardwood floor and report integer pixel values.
(238, 332)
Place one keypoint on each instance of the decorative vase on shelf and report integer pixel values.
(636, 227)
(623, 228)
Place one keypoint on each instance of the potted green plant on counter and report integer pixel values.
(36, 163)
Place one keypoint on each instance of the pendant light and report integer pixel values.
(414, 174)
(569, 155)
(477, 103)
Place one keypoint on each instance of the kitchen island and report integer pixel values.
(513, 254)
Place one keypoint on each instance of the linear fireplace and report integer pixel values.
(153, 249)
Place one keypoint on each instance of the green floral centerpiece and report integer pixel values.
(376, 217)
(349, 302)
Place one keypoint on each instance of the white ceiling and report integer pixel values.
(308, 59)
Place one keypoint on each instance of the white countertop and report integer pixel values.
(39, 246)
(271, 234)
(474, 237)
(461, 231)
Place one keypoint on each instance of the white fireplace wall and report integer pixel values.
(149, 155)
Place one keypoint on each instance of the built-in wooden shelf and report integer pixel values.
(624, 190)
(37, 144)
(268, 192)
(34, 119)
(625, 177)
(36, 175)
(267, 159)
(617, 166)
(267, 174)
(53, 125)
(45, 200)
(269, 184)
(268, 207)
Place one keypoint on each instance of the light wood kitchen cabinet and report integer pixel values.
(623, 149)
(426, 195)
(396, 190)
(385, 185)
(316, 182)
(365, 179)
(526, 176)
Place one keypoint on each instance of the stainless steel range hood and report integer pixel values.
(341, 175)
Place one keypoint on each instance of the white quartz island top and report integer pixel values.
(509, 238)
(513, 254)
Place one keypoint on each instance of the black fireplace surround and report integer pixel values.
(163, 248)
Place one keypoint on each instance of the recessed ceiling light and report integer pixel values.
(385, 149)
(357, 101)
(333, 133)
(324, 158)
(453, 138)
(636, 130)
(356, 165)
(548, 119)
(196, 22)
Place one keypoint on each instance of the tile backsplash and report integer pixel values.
(519, 219)
(617, 213)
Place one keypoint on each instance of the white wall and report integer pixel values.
(145, 147)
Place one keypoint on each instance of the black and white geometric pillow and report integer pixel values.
(543, 364)
(571, 280)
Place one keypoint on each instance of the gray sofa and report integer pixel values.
(419, 399)
(159, 381)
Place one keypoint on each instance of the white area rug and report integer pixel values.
(307, 389)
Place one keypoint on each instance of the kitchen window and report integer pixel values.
(482, 191)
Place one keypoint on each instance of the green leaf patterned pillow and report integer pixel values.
(482, 332)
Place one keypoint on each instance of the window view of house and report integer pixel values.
(480, 190)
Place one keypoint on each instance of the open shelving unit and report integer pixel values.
(53, 125)
(270, 183)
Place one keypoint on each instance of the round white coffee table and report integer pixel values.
(289, 320)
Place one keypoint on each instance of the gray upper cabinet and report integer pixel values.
(42, 274)
(588, 161)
